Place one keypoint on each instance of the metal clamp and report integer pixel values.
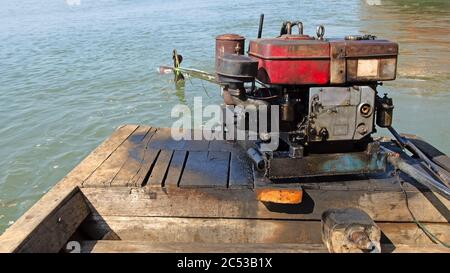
(286, 28)
(320, 31)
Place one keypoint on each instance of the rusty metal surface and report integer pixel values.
(326, 165)
(276, 48)
(229, 44)
(233, 67)
(338, 62)
(371, 48)
(350, 230)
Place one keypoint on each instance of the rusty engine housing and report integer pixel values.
(325, 89)
(289, 61)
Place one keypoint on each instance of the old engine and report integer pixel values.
(326, 92)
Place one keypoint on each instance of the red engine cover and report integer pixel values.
(292, 61)
(302, 60)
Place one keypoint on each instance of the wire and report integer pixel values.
(429, 234)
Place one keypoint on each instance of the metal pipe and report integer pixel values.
(260, 28)
(433, 167)
(420, 176)
(257, 158)
(203, 75)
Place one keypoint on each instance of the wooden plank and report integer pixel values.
(214, 230)
(222, 146)
(197, 145)
(27, 223)
(159, 172)
(229, 203)
(206, 169)
(134, 162)
(175, 169)
(429, 248)
(150, 157)
(52, 233)
(104, 175)
(117, 246)
(204, 230)
(240, 170)
(411, 234)
(240, 173)
(163, 140)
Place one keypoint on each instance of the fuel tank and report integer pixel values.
(305, 60)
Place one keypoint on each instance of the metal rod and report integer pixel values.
(420, 176)
(260, 28)
(433, 167)
(203, 75)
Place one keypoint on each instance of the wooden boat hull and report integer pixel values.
(141, 191)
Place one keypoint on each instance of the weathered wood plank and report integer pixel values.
(206, 169)
(134, 162)
(104, 175)
(204, 230)
(222, 146)
(117, 246)
(163, 140)
(401, 248)
(175, 169)
(213, 230)
(229, 203)
(55, 229)
(411, 234)
(150, 157)
(27, 223)
(159, 172)
(197, 145)
(240, 170)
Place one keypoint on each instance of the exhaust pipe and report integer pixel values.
(257, 158)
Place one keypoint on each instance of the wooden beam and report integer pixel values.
(148, 162)
(228, 203)
(116, 246)
(159, 172)
(203, 230)
(219, 230)
(175, 169)
(56, 227)
(428, 248)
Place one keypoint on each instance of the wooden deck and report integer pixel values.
(142, 191)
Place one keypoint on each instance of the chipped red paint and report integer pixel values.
(292, 61)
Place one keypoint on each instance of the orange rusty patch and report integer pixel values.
(280, 196)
